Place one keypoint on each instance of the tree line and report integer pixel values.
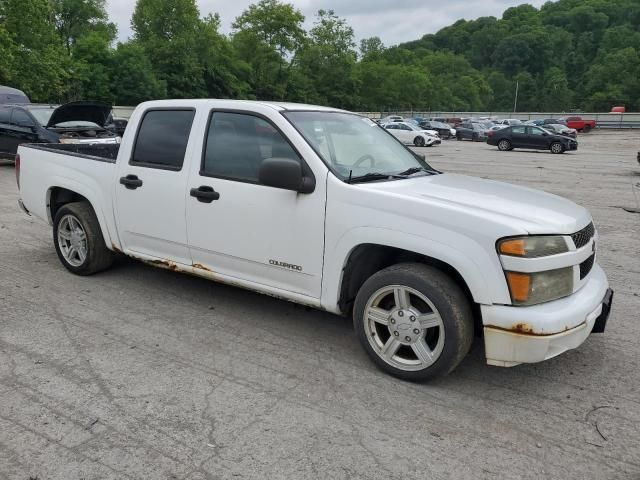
(567, 55)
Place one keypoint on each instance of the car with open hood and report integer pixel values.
(76, 122)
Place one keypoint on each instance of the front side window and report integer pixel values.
(352, 145)
(162, 139)
(537, 131)
(238, 143)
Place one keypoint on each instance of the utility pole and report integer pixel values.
(515, 103)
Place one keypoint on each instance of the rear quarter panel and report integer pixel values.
(41, 171)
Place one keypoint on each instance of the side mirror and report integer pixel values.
(285, 173)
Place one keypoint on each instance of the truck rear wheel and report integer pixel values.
(78, 240)
(586, 128)
(413, 321)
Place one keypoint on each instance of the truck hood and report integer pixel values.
(95, 112)
(534, 211)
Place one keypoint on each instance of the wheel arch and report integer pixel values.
(366, 259)
(58, 196)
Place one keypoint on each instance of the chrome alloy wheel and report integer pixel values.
(72, 240)
(404, 328)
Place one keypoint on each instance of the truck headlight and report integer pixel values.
(533, 247)
(540, 287)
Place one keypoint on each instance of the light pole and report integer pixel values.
(515, 103)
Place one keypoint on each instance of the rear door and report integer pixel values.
(151, 186)
(519, 138)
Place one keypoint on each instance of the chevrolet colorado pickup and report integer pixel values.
(325, 208)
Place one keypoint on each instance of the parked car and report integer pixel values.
(444, 130)
(322, 208)
(12, 96)
(561, 129)
(511, 121)
(118, 126)
(493, 129)
(471, 131)
(77, 122)
(554, 121)
(536, 123)
(410, 134)
(391, 118)
(536, 138)
(580, 124)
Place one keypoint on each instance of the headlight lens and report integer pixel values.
(533, 247)
(540, 287)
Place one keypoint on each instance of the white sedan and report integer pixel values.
(410, 134)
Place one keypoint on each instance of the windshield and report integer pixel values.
(42, 114)
(352, 145)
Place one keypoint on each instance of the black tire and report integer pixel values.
(556, 147)
(98, 256)
(450, 302)
(504, 145)
(419, 142)
(586, 129)
(458, 136)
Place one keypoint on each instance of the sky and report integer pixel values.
(394, 21)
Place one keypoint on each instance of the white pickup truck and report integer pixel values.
(325, 208)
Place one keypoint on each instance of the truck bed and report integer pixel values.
(103, 153)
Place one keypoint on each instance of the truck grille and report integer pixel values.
(582, 237)
(586, 266)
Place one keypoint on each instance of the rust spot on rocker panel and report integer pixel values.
(163, 264)
(199, 266)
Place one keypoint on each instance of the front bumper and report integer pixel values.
(514, 335)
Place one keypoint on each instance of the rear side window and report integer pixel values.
(5, 115)
(238, 143)
(162, 139)
(518, 130)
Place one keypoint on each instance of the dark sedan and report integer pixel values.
(535, 138)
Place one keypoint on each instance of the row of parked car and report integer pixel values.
(556, 135)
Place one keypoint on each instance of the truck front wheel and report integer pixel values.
(413, 321)
(78, 240)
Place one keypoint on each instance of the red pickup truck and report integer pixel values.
(580, 124)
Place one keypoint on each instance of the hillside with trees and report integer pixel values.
(568, 55)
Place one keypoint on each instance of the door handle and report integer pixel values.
(131, 182)
(205, 194)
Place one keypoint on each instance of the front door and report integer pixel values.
(151, 187)
(244, 230)
(538, 138)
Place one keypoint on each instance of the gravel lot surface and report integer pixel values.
(143, 373)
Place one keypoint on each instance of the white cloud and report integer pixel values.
(394, 21)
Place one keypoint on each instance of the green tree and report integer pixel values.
(328, 60)
(132, 76)
(39, 66)
(266, 35)
(76, 18)
(168, 31)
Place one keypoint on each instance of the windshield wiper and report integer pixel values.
(414, 170)
(372, 177)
